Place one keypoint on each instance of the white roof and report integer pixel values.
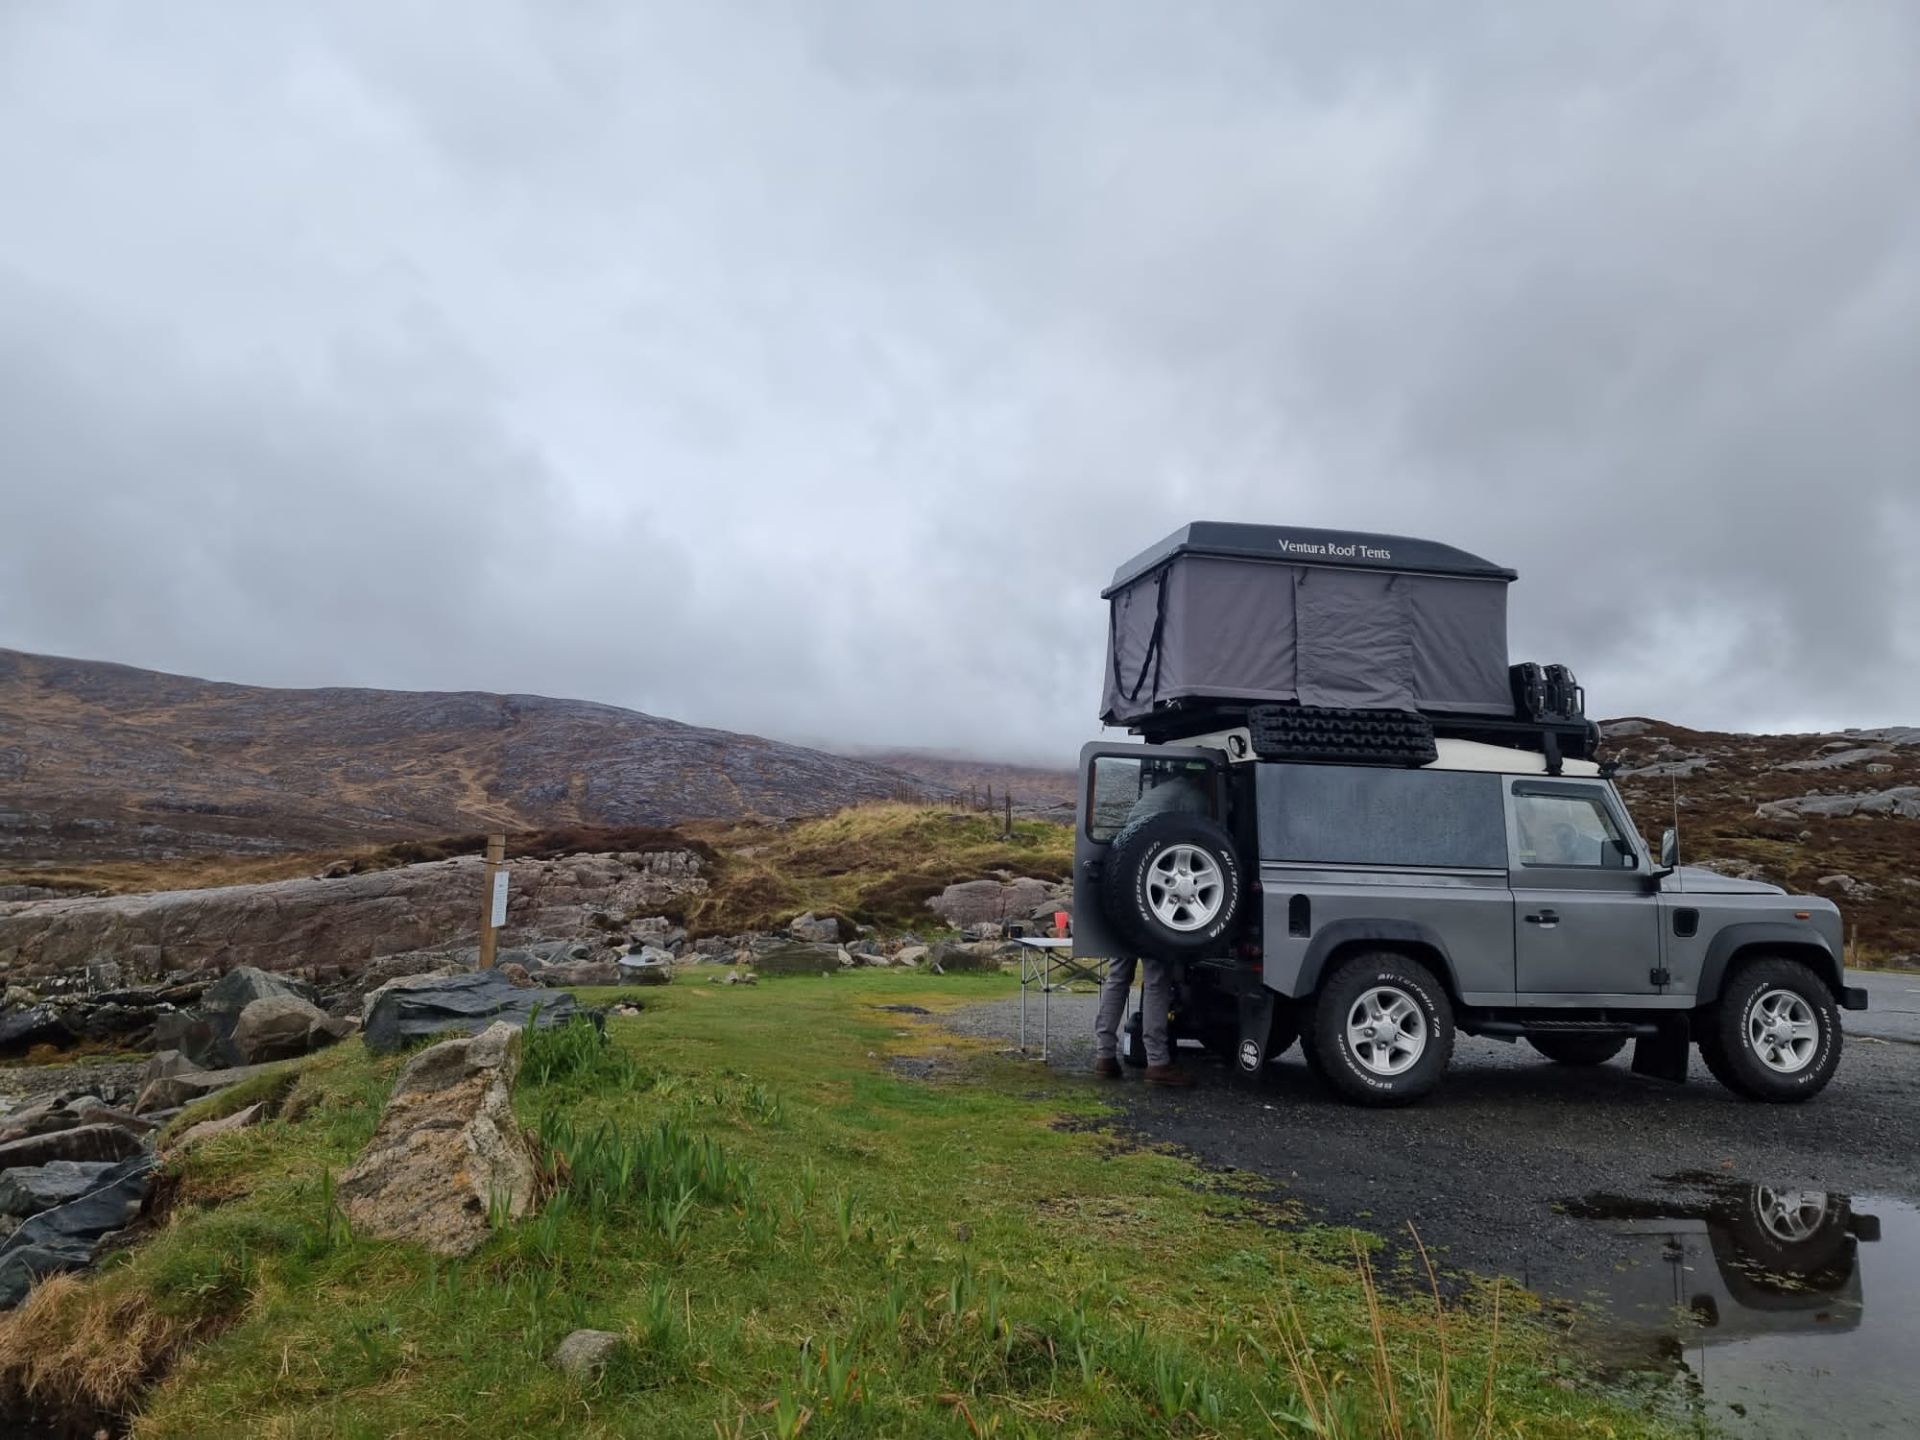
(1453, 755)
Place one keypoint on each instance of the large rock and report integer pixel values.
(337, 924)
(280, 1027)
(28, 1189)
(447, 1151)
(468, 1003)
(172, 1091)
(974, 902)
(81, 1142)
(65, 1237)
(192, 1035)
(951, 959)
(815, 929)
(796, 958)
(422, 980)
(22, 1029)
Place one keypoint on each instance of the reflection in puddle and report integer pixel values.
(1762, 1292)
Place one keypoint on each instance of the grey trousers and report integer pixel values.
(1156, 995)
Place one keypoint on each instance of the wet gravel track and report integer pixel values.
(1480, 1166)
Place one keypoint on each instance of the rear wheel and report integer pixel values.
(1380, 1030)
(1578, 1049)
(1775, 1035)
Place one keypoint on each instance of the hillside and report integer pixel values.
(1835, 815)
(1035, 789)
(102, 761)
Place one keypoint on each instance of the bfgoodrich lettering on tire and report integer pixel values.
(1775, 1034)
(1380, 1031)
(1172, 886)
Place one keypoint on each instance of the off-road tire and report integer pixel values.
(1125, 896)
(1578, 1049)
(1729, 1053)
(1324, 1036)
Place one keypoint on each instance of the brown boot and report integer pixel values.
(1107, 1068)
(1168, 1075)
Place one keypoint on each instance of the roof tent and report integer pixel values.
(1256, 614)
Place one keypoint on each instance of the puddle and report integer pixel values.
(1792, 1311)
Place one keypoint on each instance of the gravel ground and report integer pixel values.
(1481, 1165)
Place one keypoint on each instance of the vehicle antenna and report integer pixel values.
(1679, 879)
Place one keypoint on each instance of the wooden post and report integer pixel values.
(489, 934)
(1008, 797)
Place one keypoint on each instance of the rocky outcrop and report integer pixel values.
(417, 1009)
(1839, 759)
(448, 1152)
(1902, 801)
(334, 927)
(975, 902)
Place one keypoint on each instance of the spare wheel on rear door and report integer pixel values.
(1172, 886)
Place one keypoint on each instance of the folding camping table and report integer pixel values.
(1042, 962)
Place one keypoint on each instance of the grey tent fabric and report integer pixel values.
(1208, 626)
(1355, 639)
(1460, 646)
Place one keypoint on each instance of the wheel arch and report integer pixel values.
(1738, 946)
(1339, 940)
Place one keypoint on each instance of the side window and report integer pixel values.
(1568, 829)
(1372, 815)
(1122, 788)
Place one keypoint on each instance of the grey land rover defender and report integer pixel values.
(1355, 825)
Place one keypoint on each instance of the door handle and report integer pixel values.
(1545, 917)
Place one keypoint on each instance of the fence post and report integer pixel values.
(492, 894)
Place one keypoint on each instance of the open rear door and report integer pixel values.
(1116, 783)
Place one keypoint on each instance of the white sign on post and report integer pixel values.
(499, 916)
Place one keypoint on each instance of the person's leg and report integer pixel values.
(1156, 998)
(1113, 1007)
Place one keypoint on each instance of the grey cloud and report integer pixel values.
(807, 371)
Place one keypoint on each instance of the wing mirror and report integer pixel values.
(1670, 849)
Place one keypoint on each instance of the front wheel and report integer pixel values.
(1775, 1035)
(1380, 1030)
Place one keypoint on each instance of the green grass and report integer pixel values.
(792, 1239)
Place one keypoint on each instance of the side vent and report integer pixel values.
(1300, 916)
(1686, 923)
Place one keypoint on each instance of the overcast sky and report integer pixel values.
(807, 369)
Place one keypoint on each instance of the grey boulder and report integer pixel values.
(65, 1237)
(281, 1027)
(28, 1189)
(457, 1004)
(584, 1353)
(82, 1142)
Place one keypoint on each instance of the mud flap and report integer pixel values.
(1663, 1056)
(1255, 1046)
